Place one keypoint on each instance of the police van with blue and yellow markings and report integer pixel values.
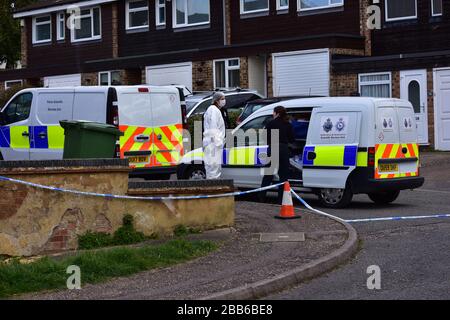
(344, 146)
(151, 117)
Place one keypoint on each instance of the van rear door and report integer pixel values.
(47, 136)
(136, 124)
(167, 139)
(330, 154)
(396, 151)
(409, 165)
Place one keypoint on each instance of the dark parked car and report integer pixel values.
(198, 102)
(255, 105)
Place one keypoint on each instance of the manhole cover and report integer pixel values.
(282, 237)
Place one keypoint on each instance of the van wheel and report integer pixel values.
(384, 197)
(195, 173)
(335, 198)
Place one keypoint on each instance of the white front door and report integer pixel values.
(442, 109)
(413, 87)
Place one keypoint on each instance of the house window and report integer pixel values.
(12, 83)
(305, 5)
(42, 29)
(136, 14)
(282, 4)
(250, 6)
(89, 25)
(227, 73)
(190, 12)
(109, 78)
(401, 10)
(160, 12)
(61, 26)
(436, 8)
(377, 85)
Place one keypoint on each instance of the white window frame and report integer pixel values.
(109, 73)
(35, 24)
(60, 20)
(157, 7)
(280, 7)
(335, 5)
(186, 24)
(227, 68)
(374, 83)
(91, 15)
(397, 19)
(432, 9)
(12, 81)
(255, 11)
(128, 11)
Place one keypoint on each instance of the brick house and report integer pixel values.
(410, 60)
(203, 44)
(278, 47)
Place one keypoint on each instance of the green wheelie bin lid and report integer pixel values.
(89, 125)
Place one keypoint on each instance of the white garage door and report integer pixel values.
(301, 73)
(70, 80)
(442, 109)
(168, 74)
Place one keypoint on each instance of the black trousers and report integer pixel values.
(283, 172)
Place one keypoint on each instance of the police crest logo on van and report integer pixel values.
(334, 127)
(328, 125)
(340, 125)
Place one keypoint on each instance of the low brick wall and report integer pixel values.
(36, 221)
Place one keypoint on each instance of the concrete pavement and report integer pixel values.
(242, 260)
(413, 255)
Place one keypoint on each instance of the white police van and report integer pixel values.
(344, 146)
(151, 117)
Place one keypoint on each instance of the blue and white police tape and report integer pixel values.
(113, 196)
(397, 218)
(434, 216)
(315, 210)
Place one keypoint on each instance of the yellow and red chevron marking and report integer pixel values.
(394, 151)
(170, 143)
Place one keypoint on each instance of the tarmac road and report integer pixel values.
(413, 255)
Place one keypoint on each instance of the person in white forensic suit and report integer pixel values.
(214, 137)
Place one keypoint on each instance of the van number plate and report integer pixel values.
(388, 167)
(139, 159)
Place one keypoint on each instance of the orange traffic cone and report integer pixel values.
(287, 207)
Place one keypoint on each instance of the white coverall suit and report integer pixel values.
(213, 142)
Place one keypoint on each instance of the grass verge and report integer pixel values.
(46, 274)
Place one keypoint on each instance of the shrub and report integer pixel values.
(126, 234)
(181, 230)
(92, 240)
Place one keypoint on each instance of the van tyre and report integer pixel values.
(336, 198)
(196, 172)
(385, 197)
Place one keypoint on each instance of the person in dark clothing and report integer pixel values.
(226, 118)
(286, 136)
